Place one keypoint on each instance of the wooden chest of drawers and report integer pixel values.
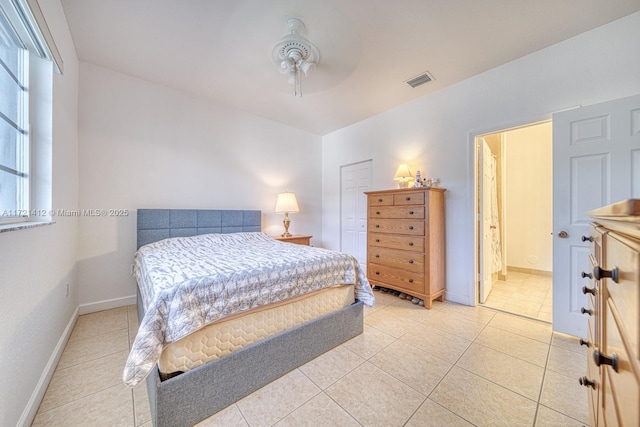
(613, 375)
(405, 242)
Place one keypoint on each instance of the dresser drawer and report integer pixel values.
(395, 241)
(399, 226)
(624, 383)
(381, 200)
(624, 293)
(396, 278)
(409, 199)
(401, 212)
(406, 260)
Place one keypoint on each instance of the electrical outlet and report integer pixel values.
(67, 290)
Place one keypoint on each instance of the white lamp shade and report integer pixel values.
(403, 172)
(287, 203)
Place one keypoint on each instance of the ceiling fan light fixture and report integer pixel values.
(294, 53)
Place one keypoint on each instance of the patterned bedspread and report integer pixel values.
(189, 282)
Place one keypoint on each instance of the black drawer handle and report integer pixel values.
(377, 212)
(377, 272)
(586, 290)
(589, 275)
(377, 225)
(603, 359)
(586, 311)
(411, 227)
(377, 240)
(585, 342)
(585, 238)
(410, 280)
(408, 198)
(380, 200)
(587, 382)
(377, 256)
(410, 243)
(410, 261)
(410, 212)
(600, 273)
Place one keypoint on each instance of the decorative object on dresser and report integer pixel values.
(406, 243)
(287, 203)
(403, 174)
(298, 239)
(613, 358)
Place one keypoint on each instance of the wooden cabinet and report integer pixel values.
(613, 375)
(405, 241)
(296, 238)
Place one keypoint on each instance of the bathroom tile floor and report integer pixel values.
(452, 365)
(524, 294)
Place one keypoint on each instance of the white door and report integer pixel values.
(486, 194)
(596, 161)
(355, 180)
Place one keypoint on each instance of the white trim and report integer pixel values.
(31, 409)
(106, 304)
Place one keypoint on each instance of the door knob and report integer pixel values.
(563, 234)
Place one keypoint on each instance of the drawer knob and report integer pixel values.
(410, 243)
(377, 212)
(410, 280)
(600, 273)
(407, 198)
(377, 272)
(377, 225)
(377, 256)
(410, 212)
(587, 382)
(585, 342)
(589, 275)
(410, 261)
(603, 359)
(586, 290)
(586, 311)
(411, 227)
(377, 240)
(380, 200)
(587, 239)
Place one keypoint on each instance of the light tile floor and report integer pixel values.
(449, 366)
(524, 294)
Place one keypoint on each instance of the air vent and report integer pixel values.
(420, 79)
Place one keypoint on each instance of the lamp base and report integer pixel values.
(403, 184)
(286, 223)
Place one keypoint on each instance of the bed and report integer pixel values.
(324, 290)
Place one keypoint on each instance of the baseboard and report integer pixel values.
(31, 409)
(106, 304)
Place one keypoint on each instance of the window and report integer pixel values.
(28, 58)
(14, 110)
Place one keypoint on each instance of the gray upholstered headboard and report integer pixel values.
(158, 224)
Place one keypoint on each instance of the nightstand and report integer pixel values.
(296, 238)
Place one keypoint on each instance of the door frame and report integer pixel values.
(477, 182)
(370, 183)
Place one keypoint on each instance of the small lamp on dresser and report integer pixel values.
(402, 175)
(286, 204)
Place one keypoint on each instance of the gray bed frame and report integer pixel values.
(191, 397)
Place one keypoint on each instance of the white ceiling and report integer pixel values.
(221, 49)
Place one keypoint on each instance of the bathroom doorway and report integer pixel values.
(515, 220)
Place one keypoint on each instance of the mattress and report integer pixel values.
(187, 283)
(221, 338)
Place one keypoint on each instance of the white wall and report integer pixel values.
(529, 197)
(147, 146)
(435, 133)
(37, 263)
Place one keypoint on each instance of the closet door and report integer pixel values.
(355, 179)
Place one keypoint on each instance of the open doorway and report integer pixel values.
(514, 180)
